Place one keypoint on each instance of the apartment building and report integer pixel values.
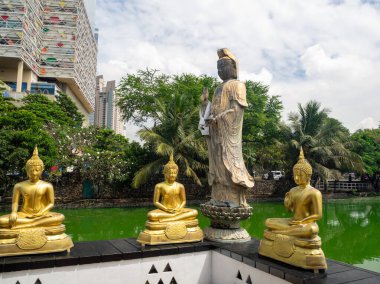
(48, 46)
(107, 113)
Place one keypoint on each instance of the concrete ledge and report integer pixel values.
(129, 249)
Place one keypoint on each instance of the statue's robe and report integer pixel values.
(228, 175)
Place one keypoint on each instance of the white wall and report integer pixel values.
(206, 267)
(225, 269)
(186, 269)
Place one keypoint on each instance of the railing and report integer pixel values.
(345, 186)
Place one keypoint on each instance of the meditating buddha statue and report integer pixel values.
(33, 228)
(171, 222)
(295, 240)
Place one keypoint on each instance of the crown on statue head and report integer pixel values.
(35, 159)
(303, 165)
(171, 164)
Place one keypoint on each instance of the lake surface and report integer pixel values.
(350, 229)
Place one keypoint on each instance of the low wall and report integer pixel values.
(126, 261)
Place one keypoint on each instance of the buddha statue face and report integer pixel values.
(300, 177)
(226, 69)
(171, 175)
(34, 172)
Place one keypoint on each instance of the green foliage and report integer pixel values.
(3, 87)
(325, 141)
(97, 154)
(172, 104)
(262, 138)
(20, 130)
(46, 110)
(138, 94)
(68, 106)
(175, 132)
(368, 147)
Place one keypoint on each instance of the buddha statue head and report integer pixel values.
(227, 65)
(171, 170)
(34, 166)
(302, 170)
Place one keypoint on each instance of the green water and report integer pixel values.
(350, 229)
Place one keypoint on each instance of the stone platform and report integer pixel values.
(236, 263)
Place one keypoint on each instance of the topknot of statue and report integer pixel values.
(171, 165)
(34, 160)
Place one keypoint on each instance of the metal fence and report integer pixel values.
(345, 186)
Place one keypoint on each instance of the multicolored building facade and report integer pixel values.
(48, 42)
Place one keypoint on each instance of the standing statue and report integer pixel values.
(33, 228)
(171, 222)
(228, 176)
(295, 240)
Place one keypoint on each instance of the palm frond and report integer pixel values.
(145, 172)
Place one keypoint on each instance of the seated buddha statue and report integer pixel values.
(295, 240)
(33, 228)
(171, 222)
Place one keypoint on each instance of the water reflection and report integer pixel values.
(350, 229)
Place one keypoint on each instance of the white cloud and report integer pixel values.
(304, 49)
(264, 76)
(367, 122)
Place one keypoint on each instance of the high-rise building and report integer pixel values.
(107, 113)
(48, 46)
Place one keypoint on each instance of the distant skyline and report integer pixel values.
(328, 51)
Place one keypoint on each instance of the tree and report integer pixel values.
(368, 147)
(98, 155)
(325, 141)
(138, 94)
(23, 127)
(171, 104)
(175, 132)
(68, 106)
(262, 138)
(20, 131)
(47, 110)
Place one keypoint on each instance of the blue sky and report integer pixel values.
(323, 50)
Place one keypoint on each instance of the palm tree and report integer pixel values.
(174, 131)
(326, 142)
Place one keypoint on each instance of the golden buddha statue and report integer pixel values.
(171, 222)
(295, 240)
(33, 228)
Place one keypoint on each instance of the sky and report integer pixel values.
(328, 51)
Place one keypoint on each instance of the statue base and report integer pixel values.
(304, 253)
(34, 240)
(157, 233)
(227, 235)
(225, 223)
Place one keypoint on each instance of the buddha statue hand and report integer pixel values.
(288, 202)
(172, 210)
(296, 222)
(39, 214)
(12, 218)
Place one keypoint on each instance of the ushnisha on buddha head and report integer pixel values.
(34, 166)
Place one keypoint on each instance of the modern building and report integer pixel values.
(107, 114)
(48, 46)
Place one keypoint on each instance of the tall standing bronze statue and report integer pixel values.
(33, 228)
(228, 175)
